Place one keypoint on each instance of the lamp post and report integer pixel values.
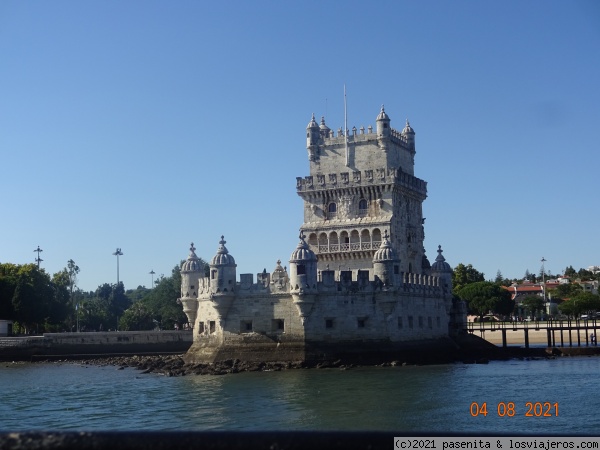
(117, 254)
(152, 272)
(38, 260)
(544, 284)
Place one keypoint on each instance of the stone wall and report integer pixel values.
(69, 344)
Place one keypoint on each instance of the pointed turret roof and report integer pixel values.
(192, 263)
(222, 257)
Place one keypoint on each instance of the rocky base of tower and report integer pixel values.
(260, 348)
(251, 347)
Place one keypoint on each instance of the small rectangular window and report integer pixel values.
(278, 325)
(300, 269)
(420, 321)
(201, 328)
(410, 322)
(328, 323)
(429, 323)
(245, 326)
(400, 322)
(211, 326)
(438, 322)
(361, 323)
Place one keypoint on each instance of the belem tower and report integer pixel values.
(357, 285)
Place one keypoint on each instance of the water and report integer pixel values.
(72, 397)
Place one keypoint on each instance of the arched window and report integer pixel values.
(354, 240)
(365, 240)
(331, 210)
(362, 207)
(334, 243)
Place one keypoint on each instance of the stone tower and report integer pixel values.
(361, 185)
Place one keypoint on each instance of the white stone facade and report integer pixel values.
(358, 278)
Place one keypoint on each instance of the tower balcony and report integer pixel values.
(348, 247)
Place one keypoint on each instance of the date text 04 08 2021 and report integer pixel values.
(509, 409)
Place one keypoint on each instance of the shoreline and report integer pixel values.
(174, 365)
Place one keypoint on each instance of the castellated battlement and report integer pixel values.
(329, 281)
(358, 136)
(360, 178)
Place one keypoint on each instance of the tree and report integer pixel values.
(565, 291)
(137, 317)
(159, 303)
(119, 302)
(8, 283)
(463, 275)
(567, 308)
(533, 304)
(483, 297)
(570, 272)
(581, 303)
(33, 296)
(585, 275)
(72, 271)
(499, 278)
(586, 303)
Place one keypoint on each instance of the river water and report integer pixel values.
(74, 397)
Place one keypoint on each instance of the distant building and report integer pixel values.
(594, 269)
(358, 281)
(5, 328)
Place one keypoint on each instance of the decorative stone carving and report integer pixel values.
(345, 204)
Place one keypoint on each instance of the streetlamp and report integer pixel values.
(152, 272)
(544, 284)
(38, 260)
(117, 254)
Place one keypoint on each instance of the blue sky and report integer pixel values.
(146, 125)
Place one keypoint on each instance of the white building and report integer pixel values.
(358, 282)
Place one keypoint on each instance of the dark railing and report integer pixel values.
(550, 324)
(550, 327)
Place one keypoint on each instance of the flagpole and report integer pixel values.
(346, 128)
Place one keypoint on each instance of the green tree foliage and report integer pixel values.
(582, 303)
(499, 278)
(463, 275)
(533, 304)
(585, 275)
(483, 297)
(8, 283)
(160, 304)
(34, 298)
(565, 291)
(137, 317)
(570, 272)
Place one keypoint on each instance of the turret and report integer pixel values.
(456, 308)
(222, 280)
(383, 128)
(191, 271)
(440, 268)
(383, 261)
(324, 129)
(313, 134)
(279, 277)
(222, 270)
(303, 277)
(409, 134)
